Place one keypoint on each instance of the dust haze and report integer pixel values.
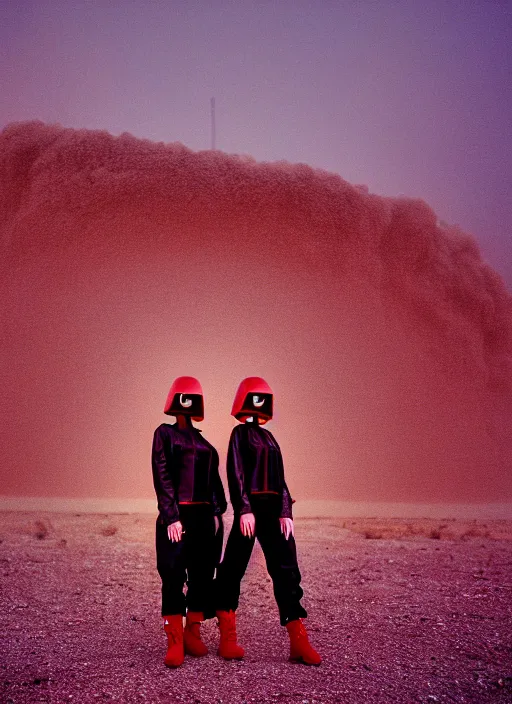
(386, 338)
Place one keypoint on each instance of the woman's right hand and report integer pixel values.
(247, 524)
(175, 531)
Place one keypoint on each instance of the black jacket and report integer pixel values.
(185, 470)
(255, 466)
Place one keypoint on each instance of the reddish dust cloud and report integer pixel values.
(385, 337)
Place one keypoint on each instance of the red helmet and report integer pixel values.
(185, 398)
(254, 397)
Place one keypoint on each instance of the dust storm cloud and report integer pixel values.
(386, 338)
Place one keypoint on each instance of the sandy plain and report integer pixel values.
(401, 611)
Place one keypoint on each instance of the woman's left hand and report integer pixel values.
(287, 527)
(216, 521)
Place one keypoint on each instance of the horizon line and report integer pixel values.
(310, 508)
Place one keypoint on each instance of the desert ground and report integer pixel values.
(401, 611)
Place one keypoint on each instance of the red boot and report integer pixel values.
(228, 647)
(192, 635)
(301, 649)
(173, 626)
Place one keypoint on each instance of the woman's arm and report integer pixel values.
(235, 472)
(218, 496)
(286, 506)
(162, 479)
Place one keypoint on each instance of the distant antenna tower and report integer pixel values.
(212, 111)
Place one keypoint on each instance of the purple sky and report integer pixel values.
(407, 97)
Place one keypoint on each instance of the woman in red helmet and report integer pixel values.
(263, 509)
(189, 528)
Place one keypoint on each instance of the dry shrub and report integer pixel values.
(475, 533)
(41, 530)
(372, 534)
(109, 530)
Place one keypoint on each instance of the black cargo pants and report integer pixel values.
(192, 560)
(280, 556)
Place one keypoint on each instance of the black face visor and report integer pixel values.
(258, 405)
(187, 405)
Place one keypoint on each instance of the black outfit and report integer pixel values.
(188, 489)
(257, 485)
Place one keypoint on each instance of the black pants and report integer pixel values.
(193, 559)
(280, 556)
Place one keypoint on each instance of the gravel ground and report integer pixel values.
(401, 611)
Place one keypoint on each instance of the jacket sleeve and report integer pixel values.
(286, 506)
(218, 496)
(162, 478)
(286, 509)
(235, 471)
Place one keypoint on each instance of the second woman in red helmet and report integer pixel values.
(263, 509)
